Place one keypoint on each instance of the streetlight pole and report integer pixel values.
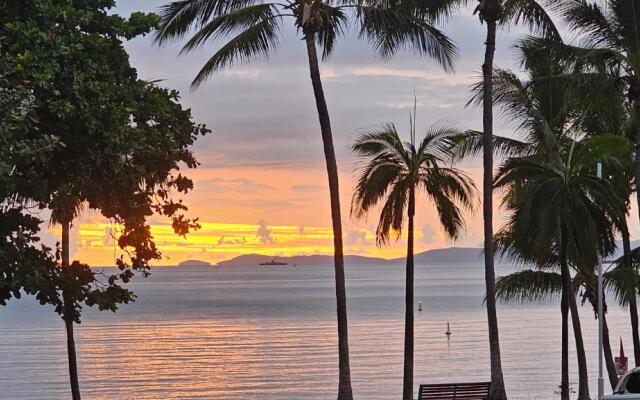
(600, 315)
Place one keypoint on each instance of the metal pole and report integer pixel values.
(600, 316)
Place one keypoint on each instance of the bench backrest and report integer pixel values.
(455, 391)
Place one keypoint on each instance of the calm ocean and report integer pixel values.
(269, 333)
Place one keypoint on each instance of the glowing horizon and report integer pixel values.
(216, 242)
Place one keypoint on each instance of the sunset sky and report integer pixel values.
(262, 184)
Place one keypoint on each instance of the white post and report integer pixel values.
(600, 316)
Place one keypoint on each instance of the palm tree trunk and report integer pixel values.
(583, 375)
(344, 383)
(567, 283)
(407, 383)
(606, 343)
(68, 320)
(636, 105)
(633, 305)
(608, 355)
(564, 381)
(497, 380)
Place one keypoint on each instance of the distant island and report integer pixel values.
(448, 255)
(195, 263)
(461, 255)
(437, 256)
(255, 259)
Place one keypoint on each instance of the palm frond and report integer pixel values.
(623, 283)
(177, 18)
(470, 143)
(392, 213)
(595, 57)
(373, 183)
(534, 15)
(591, 20)
(448, 187)
(335, 22)
(254, 42)
(383, 139)
(529, 286)
(390, 29)
(625, 19)
(230, 24)
(602, 148)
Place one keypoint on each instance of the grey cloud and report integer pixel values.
(264, 233)
(354, 237)
(222, 241)
(428, 234)
(263, 114)
(221, 185)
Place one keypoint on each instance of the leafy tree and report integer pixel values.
(392, 173)
(544, 115)
(121, 141)
(253, 30)
(578, 214)
(609, 46)
(544, 282)
(611, 113)
(23, 264)
(608, 52)
(534, 15)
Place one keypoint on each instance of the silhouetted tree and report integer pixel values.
(252, 30)
(393, 173)
(121, 141)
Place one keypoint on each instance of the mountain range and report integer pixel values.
(437, 256)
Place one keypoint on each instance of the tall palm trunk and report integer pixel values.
(407, 383)
(567, 283)
(633, 305)
(583, 375)
(68, 320)
(606, 343)
(497, 380)
(564, 380)
(608, 355)
(344, 383)
(635, 86)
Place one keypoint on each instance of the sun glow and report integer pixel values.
(218, 241)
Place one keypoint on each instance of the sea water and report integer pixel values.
(269, 332)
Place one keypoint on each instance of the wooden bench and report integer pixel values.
(455, 391)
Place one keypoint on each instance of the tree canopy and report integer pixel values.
(120, 141)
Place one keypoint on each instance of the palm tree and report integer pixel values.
(538, 284)
(491, 12)
(610, 40)
(392, 173)
(254, 28)
(544, 115)
(609, 50)
(577, 215)
(612, 114)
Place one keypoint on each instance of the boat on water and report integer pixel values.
(273, 262)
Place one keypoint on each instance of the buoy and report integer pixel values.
(448, 331)
(419, 306)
